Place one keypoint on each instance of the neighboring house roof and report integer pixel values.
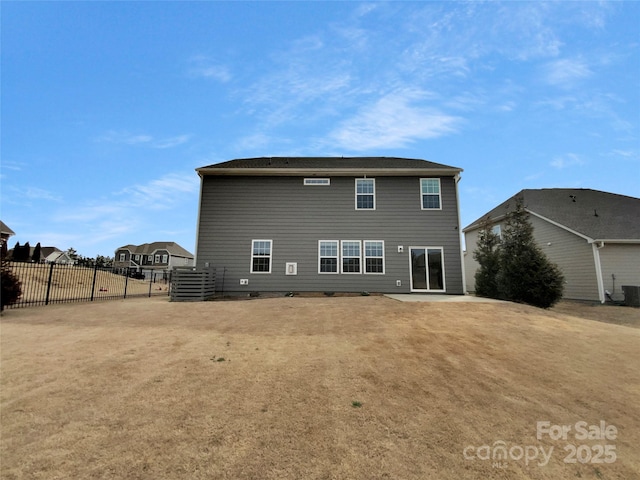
(58, 257)
(327, 165)
(591, 213)
(4, 230)
(173, 248)
(44, 251)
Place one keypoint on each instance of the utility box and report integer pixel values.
(631, 295)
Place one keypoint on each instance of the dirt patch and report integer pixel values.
(314, 388)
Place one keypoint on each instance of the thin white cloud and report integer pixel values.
(566, 72)
(567, 160)
(124, 213)
(202, 66)
(30, 193)
(160, 193)
(171, 141)
(394, 121)
(146, 140)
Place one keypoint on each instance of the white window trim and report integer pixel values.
(444, 272)
(123, 257)
(320, 257)
(439, 193)
(165, 258)
(497, 230)
(364, 256)
(317, 182)
(374, 193)
(270, 256)
(342, 257)
(156, 258)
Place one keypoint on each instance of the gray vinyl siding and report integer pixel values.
(236, 210)
(470, 264)
(574, 256)
(622, 261)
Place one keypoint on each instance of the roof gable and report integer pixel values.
(592, 213)
(5, 230)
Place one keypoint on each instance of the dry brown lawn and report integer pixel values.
(265, 389)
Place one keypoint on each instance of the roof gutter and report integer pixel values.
(336, 172)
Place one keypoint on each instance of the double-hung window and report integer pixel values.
(328, 256)
(123, 257)
(365, 194)
(351, 256)
(261, 256)
(430, 193)
(165, 258)
(373, 256)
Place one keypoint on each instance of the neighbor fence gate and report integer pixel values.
(44, 284)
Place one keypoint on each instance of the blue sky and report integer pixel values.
(108, 107)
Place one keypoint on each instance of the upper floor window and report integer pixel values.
(123, 257)
(430, 193)
(365, 194)
(165, 258)
(150, 258)
(261, 256)
(137, 257)
(157, 259)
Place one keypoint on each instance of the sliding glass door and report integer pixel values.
(427, 269)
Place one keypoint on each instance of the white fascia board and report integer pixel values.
(325, 172)
(564, 227)
(630, 241)
(477, 225)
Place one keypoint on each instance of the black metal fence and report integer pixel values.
(44, 284)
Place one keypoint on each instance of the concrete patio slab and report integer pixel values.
(412, 297)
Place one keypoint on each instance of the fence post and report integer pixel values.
(126, 280)
(46, 300)
(93, 285)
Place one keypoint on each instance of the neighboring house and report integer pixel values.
(327, 224)
(593, 236)
(152, 256)
(5, 232)
(53, 255)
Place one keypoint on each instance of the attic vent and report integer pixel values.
(317, 181)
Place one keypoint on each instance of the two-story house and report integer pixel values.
(152, 256)
(326, 224)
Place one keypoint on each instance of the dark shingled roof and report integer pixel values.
(595, 214)
(330, 163)
(147, 248)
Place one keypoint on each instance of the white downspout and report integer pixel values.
(596, 261)
(462, 266)
(195, 255)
